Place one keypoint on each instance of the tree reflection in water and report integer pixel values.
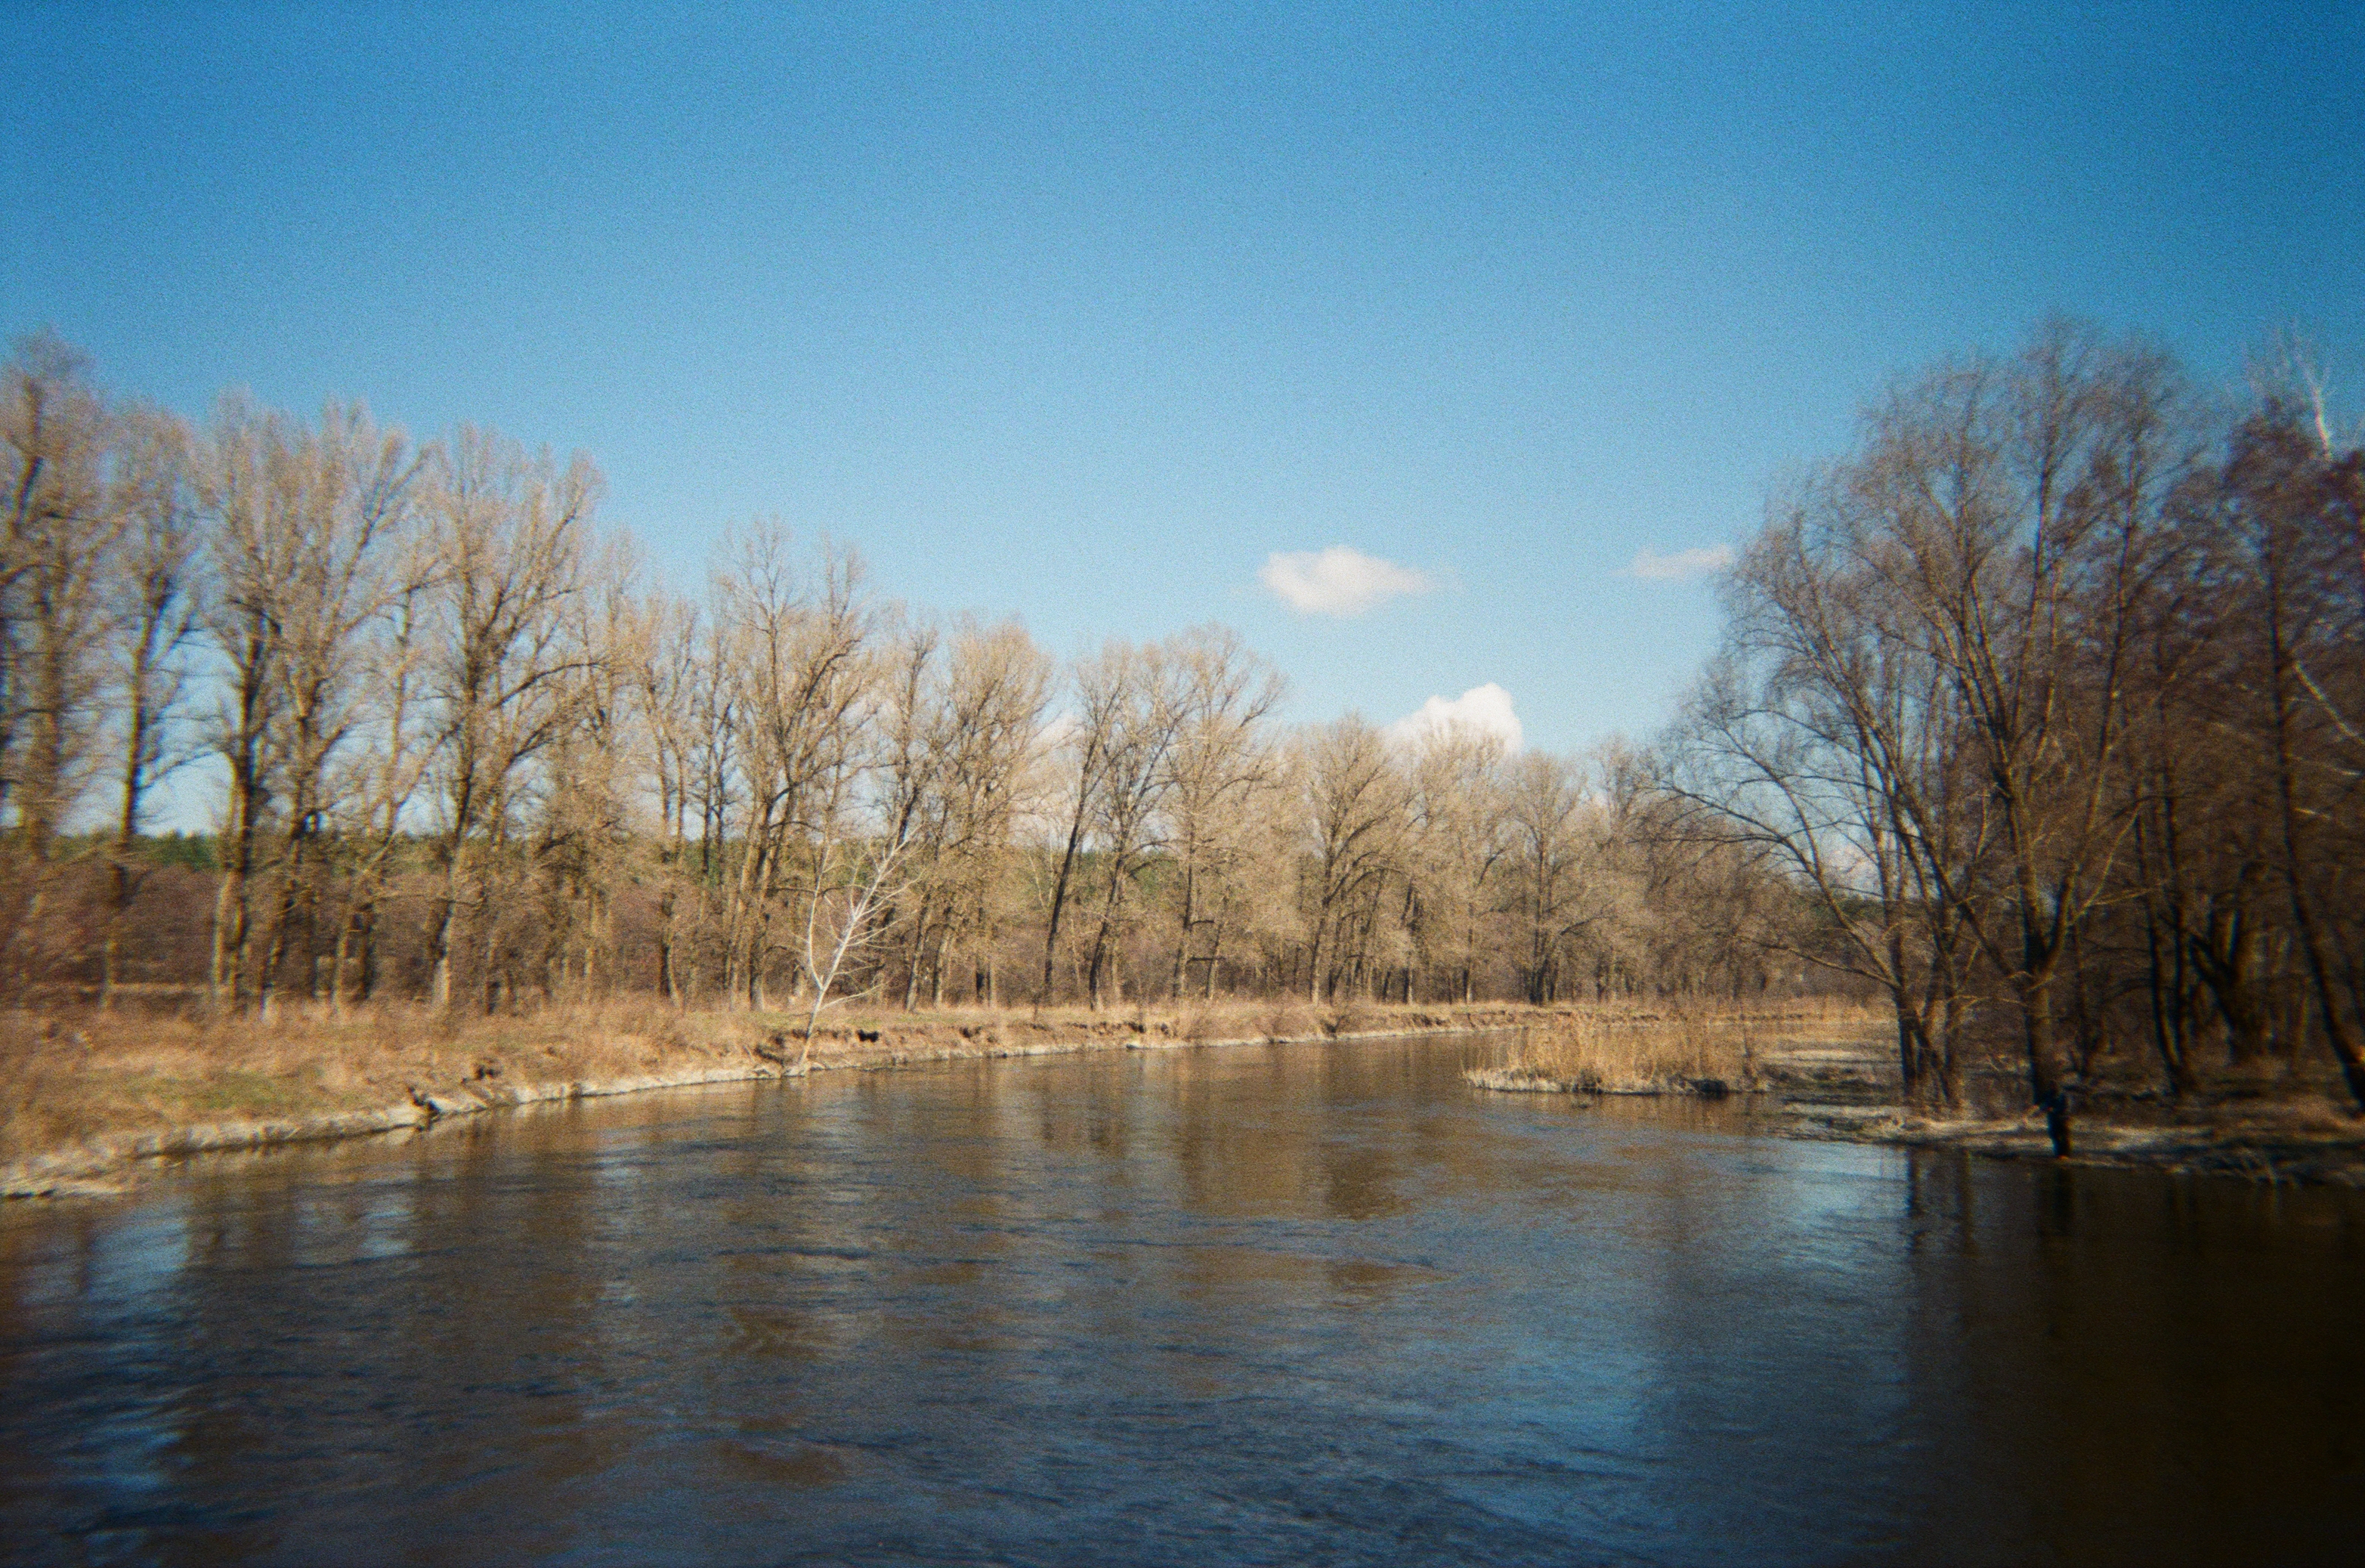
(1251, 1305)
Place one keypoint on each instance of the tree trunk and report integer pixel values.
(123, 888)
(357, 914)
(231, 937)
(2337, 1031)
(2047, 1089)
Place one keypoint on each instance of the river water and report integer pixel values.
(1297, 1303)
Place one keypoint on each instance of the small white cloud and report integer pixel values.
(1485, 708)
(1681, 566)
(1337, 581)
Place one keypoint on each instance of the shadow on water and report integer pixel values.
(1258, 1305)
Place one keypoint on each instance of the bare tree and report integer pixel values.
(2295, 513)
(153, 617)
(254, 488)
(1457, 846)
(351, 500)
(804, 671)
(587, 819)
(1356, 806)
(1825, 737)
(510, 534)
(915, 764)
(383, 777)
(997, 688)
(853, 884)
(1219, 759)
(1548, 840)
(2021, 498)
(1127, 702)
(672, 685)
(1115, 778)
(59, 531)
(963, 722)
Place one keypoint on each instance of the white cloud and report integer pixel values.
(1681, 566)
(1485, 709)
(1337, 581)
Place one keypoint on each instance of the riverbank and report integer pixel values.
(89, 1098)
(1802, 1048)
(91, 1095)
(1832, 1079)
(2298, 1142)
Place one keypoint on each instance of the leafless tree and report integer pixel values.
(346, 513)
(511, 531)
(853, 884)
(1357, 808)
(384, 774)
(804, 675)
(588, 817)
(56, 541)
(1113, 781)
(153, 617)
(966, 711)
(2293, 515)
(254, 486)
(1459, 840)
(1826, 737)
(673, 684)
(59, 531)
(1550, 843)
(1218, 763)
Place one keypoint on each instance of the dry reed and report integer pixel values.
(1634, 1050)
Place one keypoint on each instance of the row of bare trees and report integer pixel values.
(2039, 712)
(446, 745)
(2047, 698)
(364, 646)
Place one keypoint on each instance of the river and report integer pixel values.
(1292, 1303)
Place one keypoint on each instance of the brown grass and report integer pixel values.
(1668, 1049)
(71, 1074)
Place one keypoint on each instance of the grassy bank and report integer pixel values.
(1829, 1072)
(2294, 1139)
(85, 1094)
(1711, 1051)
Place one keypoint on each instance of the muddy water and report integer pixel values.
(1284, 1305)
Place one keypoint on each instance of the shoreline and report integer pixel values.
(2260, 1148)
(102, 1165)
(2276, 1154)
(1822, 1091)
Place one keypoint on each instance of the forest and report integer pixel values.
(2038, 723)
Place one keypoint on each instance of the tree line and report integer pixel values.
(2039, 718)
(2048, 699)
(454, 747)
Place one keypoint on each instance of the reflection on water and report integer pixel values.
(1258, 1305)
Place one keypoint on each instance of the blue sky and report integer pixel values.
(1083, 313)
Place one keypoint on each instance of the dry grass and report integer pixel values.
(1672, 1049)
(70, 1074)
